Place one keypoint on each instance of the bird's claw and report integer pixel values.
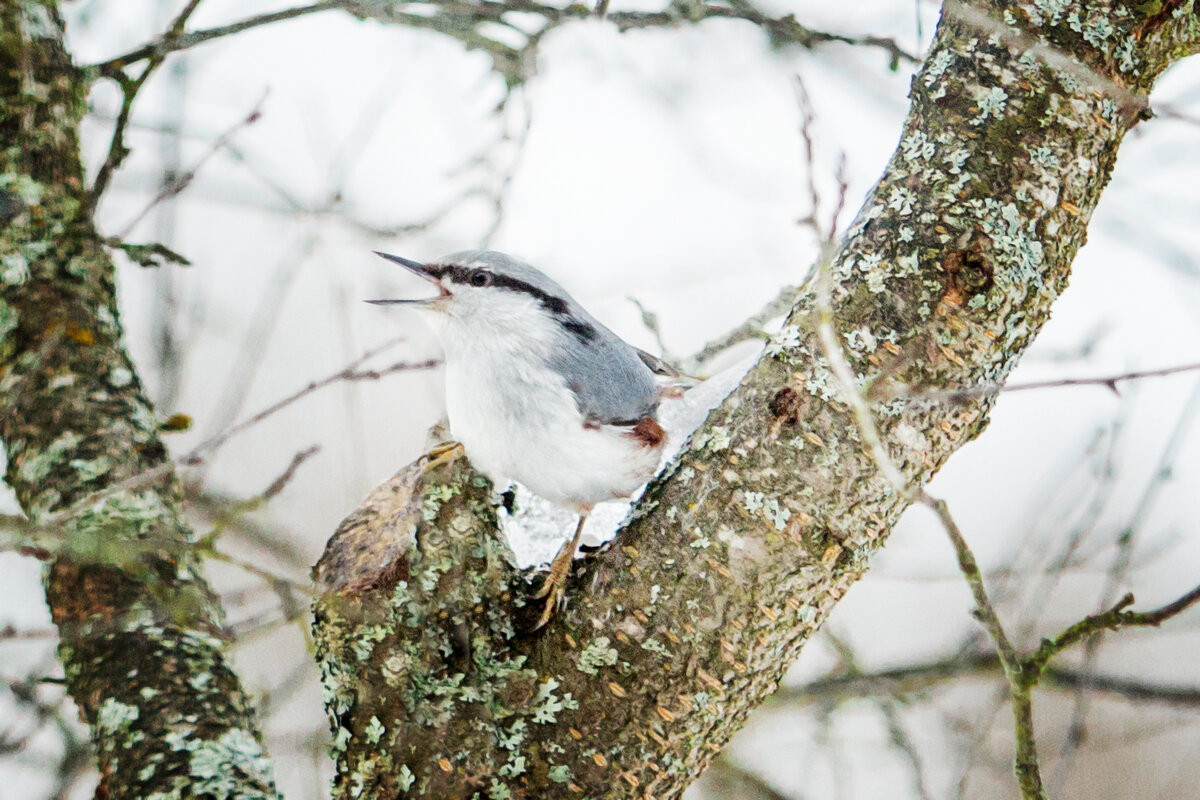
(555, 595)
(440, 454)
(555, 586)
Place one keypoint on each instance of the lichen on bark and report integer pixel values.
(736, 555)
(141, 641)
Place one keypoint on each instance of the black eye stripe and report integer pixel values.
(457, 274)
(555, 305)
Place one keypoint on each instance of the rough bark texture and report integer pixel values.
(141, 640)
(689, 619)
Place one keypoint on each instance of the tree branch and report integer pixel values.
(913, 679)
(1116, 617)
(141, 638)
(737, 553)
(1027, 765)
(117, 151)
(460, 20)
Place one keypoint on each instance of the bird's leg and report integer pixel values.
(441, 453)
(560, 567)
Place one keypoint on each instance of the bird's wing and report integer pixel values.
(611, 383)
(664, 370)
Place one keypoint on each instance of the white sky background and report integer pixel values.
(664, 165)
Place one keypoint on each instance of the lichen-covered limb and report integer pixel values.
(689, 619)
(141, 640)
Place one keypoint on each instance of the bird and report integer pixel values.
(540, 392)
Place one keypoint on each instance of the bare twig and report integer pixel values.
(1121, 561)
(807, 120)
(750, 329)
(990, 389)
(838, 364)
(519, 140)
(904, 744)
(9, 633)
(1028, 769)
(650, 322)
(352, 372)
(912, 679)
(278, 543)
(129, 92)
(198, 454)
(782, 303)
(848, 384)
(159, 49)
(1162, 473)
(262, 498)
(781, 29)
(1107, 381)
(1023, 672)
(181, 182)
(1112, 619)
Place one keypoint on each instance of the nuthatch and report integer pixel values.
(539, 391)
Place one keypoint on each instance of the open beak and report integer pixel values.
(421, 271)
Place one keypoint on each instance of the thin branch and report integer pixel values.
(257, 534)
(1149, 498)
(197, 455)
(970, 570)
(9, 633)
(520, 140)
(181, 182)
(838, 364)
(161, 48)
(1112, 619)
(1027, 767)
(352, 372)
(130, 87)
(1024, 672)
(782, 302)
(808, 119)
(1120, 564)
(750, 329)
(848, 384)
(262, 498)
(650, 323)
(783, 29)
(904, 743)
(912, 679)
(1108, 381)
(990, 389)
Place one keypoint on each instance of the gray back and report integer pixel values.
(610, 381)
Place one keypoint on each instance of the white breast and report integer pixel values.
(518, 421)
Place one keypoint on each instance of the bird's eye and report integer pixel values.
(480, 278)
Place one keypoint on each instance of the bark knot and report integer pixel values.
(968, 273)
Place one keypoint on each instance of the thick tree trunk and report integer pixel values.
(141, 639)
(689, 619)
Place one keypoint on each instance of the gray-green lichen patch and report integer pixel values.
(220, 767)
(597, 654)
(115, 716)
